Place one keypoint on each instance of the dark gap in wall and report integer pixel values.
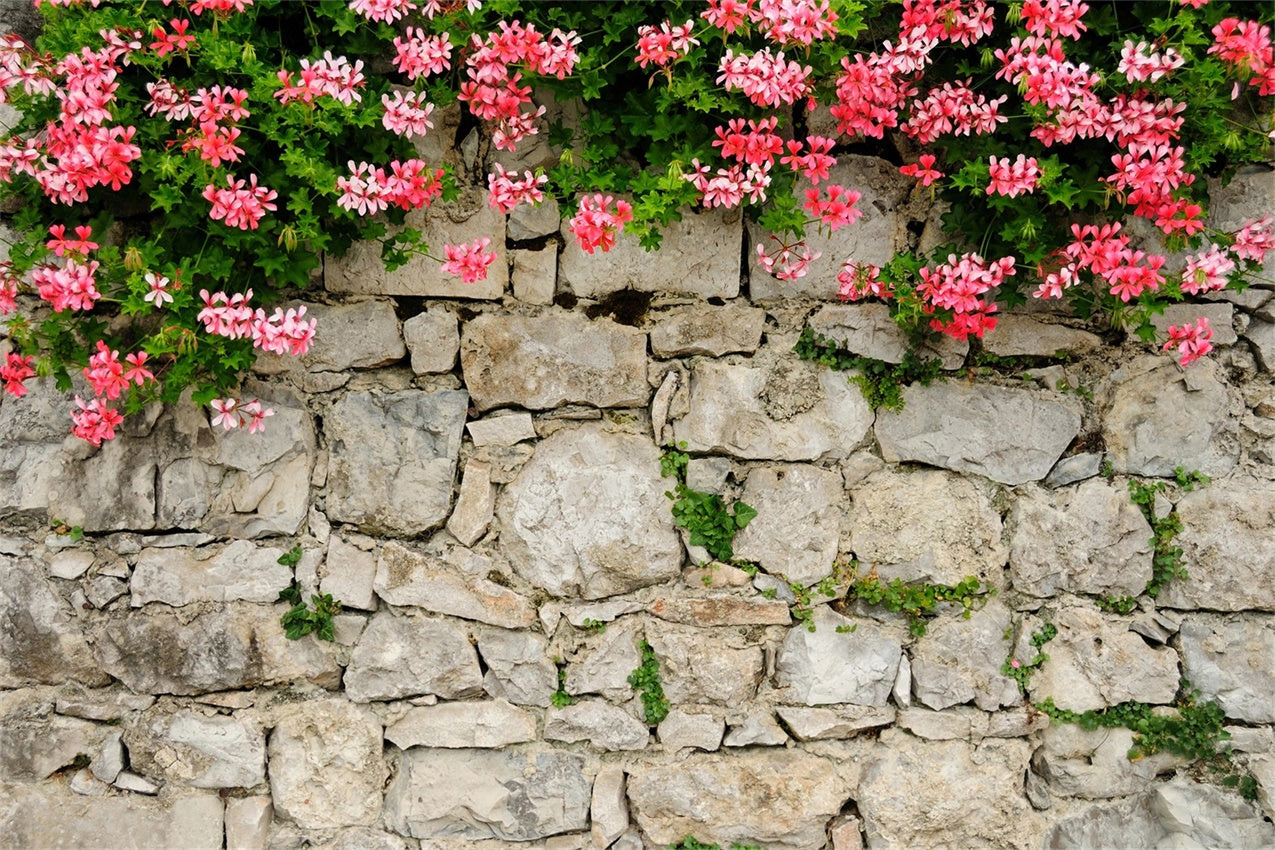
(627, 307)
(467, 314)
(537, 244)
(409, 306)
(880, 148)
(565, 300)
(745, 251)
(717, 302)
(1092, 442)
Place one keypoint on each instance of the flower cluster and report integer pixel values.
(229, 315)
(595, 225)
(469, 262)
(410, 185)
(232, 414)
(331, 76)
(504, 192)
(958, 285)
(787, 260)
(1191, 340)
(241, 204)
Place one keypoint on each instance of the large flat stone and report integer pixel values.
(393, 458)
(405, 577)
(1232, 662)
(54, 819)
(698, 666)
(544, 361)
(43, 640)
(855, 665)
(238, 572)
(196, 750)
(518, 666)
(603, 725)
(1008, 435)
(959, 661)
(457, 725)
(787, 498)
(1017, 335)
(704, 329)
(358, 335)
(1094, 764)
(409, 655)
(869, 330)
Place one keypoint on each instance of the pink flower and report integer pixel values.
(469, 262)
(1207, 271)
(165, 44)
(407, 114)
(814, 164)
(158, 293)
(385, 11)
(8, 293)
(257, 416)
(788, 261)
(242, 205)
(837, 210)
(505, 193)
(595, 226)
(765, 78)
(730, 15)
(923, 170)
(137, 371)
(859, 280)
(283, 333)
(1138, 64)
(227, 413)
(958, 285)
(105, 374)
(1054, 17)
(71, 287)
(14, 372)
(60, 245)
(662, 46)
(420, 55)
(1014, 178)
(95, 422)
(1255, 239)
(1191, 340)
(332, 76)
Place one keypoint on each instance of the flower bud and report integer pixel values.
(288, 238)
(133, 259)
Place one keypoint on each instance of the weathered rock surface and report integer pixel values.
(958, 661)
(433, 337)
(505, 429)
(41, 640)
(1219, 316)
(518, 666)
(240, 572)
(326, 767)
(722, 611)
(787, 498)
(609, 809)
(756, 728)
(698, 666)
(349, 573)
(457, 725)
(827, 666)
(1230, 662)
(587, 515)
(870, 331)
(472, 515)
(815, 724)
(1094, 764)
(408, 655)
(606, 726)
(38, 816)
(358, 335)
(248, 823)
(34, 743)
(408, 578)
(535, 274)
(687, 728)
(393, 458)
(544, 361)
(1016, 336)
(708, 330)
(603, 664)
(778, 799)
(787, 411)
(1008, 435)
(192, 749)
(512, 795)
(1084, 539)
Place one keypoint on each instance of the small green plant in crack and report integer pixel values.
(917, 600)
(1166, 559)
(704, 515)
(880, 382)
(646, 680)
(1117, 604)
(595, 626)
(1021, 671)
(689, 843)
(301, 620)
(65, 529)
(560, 698)
(803, 609)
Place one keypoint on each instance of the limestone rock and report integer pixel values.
(1008, 435)
(518, 666)
(699, 255)
(542, 362)
(70, 564)
(958, 661)
(603, 664)
(349, 574)
(473, 512)
(870, 331)
(1018, 335)
(228, 647)
(456, 725)
(364, 838)
(786, 498)
(587, 515)
(35, 743)
(404, 577)
(756, 728)
(535, 274)
(1232, 662)
(1163, 417)
(926, 525)
(686, 728)
(101, 704)
(326, 767)
(705, 667)
(203, 752)
(708, 330)
(358, 335)
(40, 816)
(778, 799)
(1094, 764)
(1247, 196)
(402, 656)
(606, 726)
(826, 666)
(722, 611)
(43, 642)
(953, 725)
(609, 811)
(248, 823)
(478, 794)
(816, 724)
(504, 429)
(1074, 468)
(393, 458)
(532, 222)
(1262, 335)
(238, 572)
(786, 411)
(433, 337)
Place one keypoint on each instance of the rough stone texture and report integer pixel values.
(712, 331)
(926, 525)
(402, 656)
(457, 725)
(778, 799)
(1085, 539)
(826, 666)
(239, 572)
(38, 816)
(199, 751)
(815, 724)
(359, 335)
(1220, 318)
(393, 458)
(1008, 435)
(1262, 335)
(408, 578)
(1227, 547)
(1229, 660)
(870, 331)
(361, 271)
(41, 640)
(153, 650)
(699, 255)
(609, 810)
(532, 222)
(474, 505)
(1095, 662)
(326, 768)
(699, 666)
(606, 726)
(588, 516)
(518, 666)
(1016, 336)
(248, 823)
(349, 573)
(916, 793)
(535, 274)
(34, 743)
(513, 795)
(722, 611)
(603, 664)
(1094, 764)
(433, 337)
(958, 661)
(789, 411)
(787, 498)
(544, 361)
(756, 728)
(684, 728)
(1161, 417)
(502, 430)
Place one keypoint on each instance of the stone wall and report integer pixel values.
(475, 473)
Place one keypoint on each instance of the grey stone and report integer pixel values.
(902, 691)
(1017, 335)
(708, 330)
(603, 664)
(475, 504)
(101, 704)
(402, 656)
(687, 728)
(129, 781)
(40, 816)
(722, 610)
(34, 743)
(229, 647)
(1247, 196)
(358, 335)
(103, 590)
(578, 614)
(404, 577)
(326, 766)
(43, 642)
(477, 794)
(1164, 417)
(248, 823)
(542, 362)
(535, 274)
(870, 331)
(699, 666)
(587, 516)
(361, 271)
(488, 724)
(699, 255)
(1262, 335)
(1084, 539)
(1263, 770)
(1094, 764)
(779, 799)
(1227, 547)
(84, 783)
(240, 571)
(349, 574)
(1008, 435)
(502, 429)
(958, 661)
(845, 832)
(433, 337)
(527, 221)
(109, 761)
(873, 239)
(926, 525)
(816, 724)
(1074, 468)
(953, 725)
(393, 458)
(827, 666)
(783, 411)
(609, 810)
(518, 666)
(787, 498)
(70, 563)
(707, 474)
(203, 752)
(1095, 661)
(1220, 318)
(756, 728)
(1232, 662)
(364, 838)
(606, 726)
(918, 793)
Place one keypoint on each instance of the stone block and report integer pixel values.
(433, 337)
